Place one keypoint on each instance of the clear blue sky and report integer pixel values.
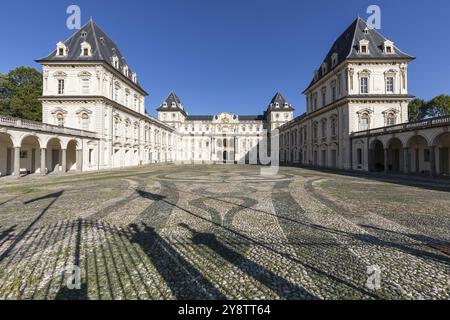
(231, 55)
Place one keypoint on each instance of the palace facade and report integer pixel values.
(94, 116)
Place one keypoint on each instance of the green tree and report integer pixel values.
(19, 92)
(439, 106)
(417, 109)
(5, 95)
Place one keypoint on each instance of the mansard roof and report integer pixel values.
(103, 49)
(172, 103)
(347, 48)
(283, 104)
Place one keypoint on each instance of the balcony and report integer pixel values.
(48, 128)
(409, 126)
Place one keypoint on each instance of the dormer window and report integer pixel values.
(324, 68)
(174, 105)
(85, 49)
(364, 46)
(277, 105)
(366, 30)
(134, 77)
(316, 75)
(125, 71)
(61, 49)
(334, 59)
(115, 61)
(388, 47)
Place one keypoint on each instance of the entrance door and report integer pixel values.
(443, 161)
(8, 161)
(55, 160)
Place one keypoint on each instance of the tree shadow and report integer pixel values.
(308, 266)
(435, 184)
(184, 280)
(55, 196)
(281, 286)
(431, 242)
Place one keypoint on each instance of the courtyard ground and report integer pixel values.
(223, 232)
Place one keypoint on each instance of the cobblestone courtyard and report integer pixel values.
(223, 231)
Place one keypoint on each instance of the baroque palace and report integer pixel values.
(94, 116)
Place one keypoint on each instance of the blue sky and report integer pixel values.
(231, 55)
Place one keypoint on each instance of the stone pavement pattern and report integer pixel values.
(222, 232)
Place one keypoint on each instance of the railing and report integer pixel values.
(34, 125)
(428, 123)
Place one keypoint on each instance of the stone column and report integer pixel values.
(43, 161)
(432, 161)
(17, 161)
(386, 160)
(406, 160)
(64, 160)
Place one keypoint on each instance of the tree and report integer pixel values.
(5, 95)
(417, 109)
(26, 88)
(439, 106)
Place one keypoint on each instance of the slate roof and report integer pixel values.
(103, 49)
(282, 103)
(347, 47)
(172, 103)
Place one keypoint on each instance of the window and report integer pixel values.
(91, 153)
(324, 96)
(390, 85)
(85, 83)
(388, 49)
(359, 156)
(116, 94)
(364, 85)
(315, 102)
(324, 129)
(364, 121)
(60, 86)
(85, 121)
(363, 49)
(333, 127)
(60, 51)
(426, 155)
(333, 92)
(85, 52)
(390, 119)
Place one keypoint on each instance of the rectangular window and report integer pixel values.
(333, 90)
(363, 124)
(85, 52)
(85, 84)
(60, 86)
(116, 94)
(91, 152)
(426, 155)
(364, 85)
(61, 52)
(315, 102)
(390, 85)
(359, 156)
(324, 98)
